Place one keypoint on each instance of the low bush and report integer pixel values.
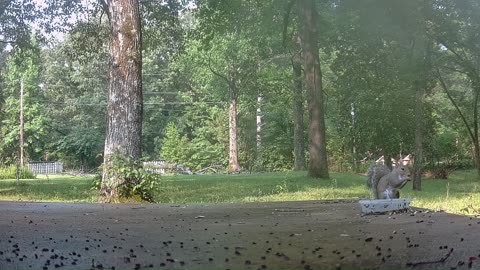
(130, 179)
(11, 173)
(442, 170)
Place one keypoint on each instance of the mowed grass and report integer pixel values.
(59, 188)
(264, 187)
(459, 194)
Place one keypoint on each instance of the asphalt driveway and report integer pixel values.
(283, 235)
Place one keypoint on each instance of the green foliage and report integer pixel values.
(372, 57)
(277, 151)
(23, 66)
(130, 179)
(10, 172)
(74, 84)
(175, 147)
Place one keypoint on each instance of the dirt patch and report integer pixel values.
(283, 235)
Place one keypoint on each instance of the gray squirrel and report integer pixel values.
(385, 183)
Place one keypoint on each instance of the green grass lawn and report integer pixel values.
(51, 189)
(459, 194)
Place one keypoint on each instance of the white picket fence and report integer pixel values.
(46, 167)
(163, 167)
(155, 166)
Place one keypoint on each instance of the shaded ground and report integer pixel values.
(284, 235)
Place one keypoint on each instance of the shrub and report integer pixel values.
(442, 170)
(134, 181)
(11, 173)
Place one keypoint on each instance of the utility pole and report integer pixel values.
(21, 125)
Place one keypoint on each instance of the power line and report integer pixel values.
(148, 104)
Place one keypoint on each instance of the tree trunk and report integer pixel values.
(476, 156)
(419, 127)
(125, 99)
(475, 139)
(420, 116)
(22, 127)
(387, 160)
(233, 165)
(307, 13)
(472, 131)
(298, 135)
(259, 159)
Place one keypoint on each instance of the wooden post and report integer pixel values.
(21, 126)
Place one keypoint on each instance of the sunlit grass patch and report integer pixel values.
(49, 189)
(459, 194)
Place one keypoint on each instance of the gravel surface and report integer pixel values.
(280, 235)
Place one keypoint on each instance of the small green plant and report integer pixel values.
(281, 188)
(11, 173)
(130, 179)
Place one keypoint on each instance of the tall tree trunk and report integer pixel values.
(307, 14)
(475, 139)
(476, 156)
(233, 165)
(387, 160)
(419, 127)
(125, 99)
(472, 131)
(22, 127)
(354, 140)
(420, 115)
(298, 135)
(259, 115)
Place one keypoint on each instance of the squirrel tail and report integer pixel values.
(374, 173)
(370, 176)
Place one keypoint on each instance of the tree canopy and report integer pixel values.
(236, 83)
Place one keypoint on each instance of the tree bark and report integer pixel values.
(22, 127)
(419, 127)
(125, 99)
(420, 116)
(298, 135)
(387, 160)
(233, 165)
(318, 164)
(476, 156)
(472, 131)
(259, 116)
(475, 139)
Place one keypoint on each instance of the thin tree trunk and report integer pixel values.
(318, 164)
(354, 140)
(476, 156)
(472, 132)
(125, 99)
(420, 116)
(475, 140)
(298, 131)
(22, 127)
(259, 115)
(233, 165)
(419, 127)
(387, 160)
